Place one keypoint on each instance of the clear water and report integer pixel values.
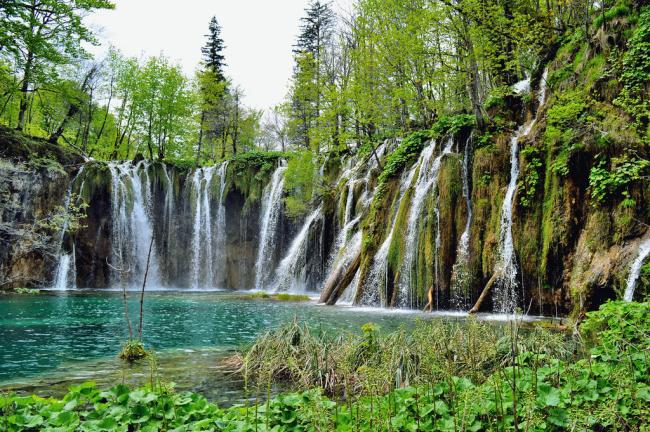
(43, 332)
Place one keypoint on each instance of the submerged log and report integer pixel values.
(339, 281)
(484, 294)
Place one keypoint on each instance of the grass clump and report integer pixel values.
(26, 291)
(133, 350)
(358, 364)
(291, 297)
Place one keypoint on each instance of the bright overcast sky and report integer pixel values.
(259, 35)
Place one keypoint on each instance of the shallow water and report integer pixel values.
(52, 340)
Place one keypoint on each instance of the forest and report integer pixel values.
(443, 225)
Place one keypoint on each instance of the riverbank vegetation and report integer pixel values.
(600, 384)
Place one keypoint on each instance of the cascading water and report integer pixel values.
(505, 296)
(220, 246)
(635, 270)
(65, 275)
(377, 277)
(427, 179)
(269, 223)
(460, 280)
(132, 228)
(202, 240)
(290, 274)
(208, 232)
(353, 247)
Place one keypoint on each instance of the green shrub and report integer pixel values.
(625, 171)
(133, 350)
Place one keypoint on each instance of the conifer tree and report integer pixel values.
(213, 50)
(315, 32)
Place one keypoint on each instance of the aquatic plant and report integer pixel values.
(133, 350)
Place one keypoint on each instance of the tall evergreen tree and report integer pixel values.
(316, 31)
(213, 50)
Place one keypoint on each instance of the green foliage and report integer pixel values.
(617, 328)
(133, 350)
(607, 183)
(531, 178)
(299, 182)
(26, 291)
(70, 218)
(636, 74)
(618, 11)
(260, 161)
(451, 125)
(407, 153)
(291, 297)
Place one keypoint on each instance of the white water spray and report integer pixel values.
(635, 270)
(270, 218)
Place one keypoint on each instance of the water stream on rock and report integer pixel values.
(635, 270)
(460, 295)
(269, 223)
(66, 272)
(505, 298)
(427, 179)
(291, 273)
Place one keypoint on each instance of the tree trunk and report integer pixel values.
(198, 151)
(339, 281)
(24, 90)
(485, 293)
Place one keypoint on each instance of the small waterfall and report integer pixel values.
(290, 274)
(505, 293)
(460, 296)
(377, 276)
(635, 270)
(66, 272)
(220, 246)
(427, 179)
(269, 222)
(132, 229)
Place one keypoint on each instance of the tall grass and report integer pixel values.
(374, 362)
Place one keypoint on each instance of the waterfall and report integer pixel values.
(427, 179)
(290, 274)
(505, 293)
(132, 228)
(377, 276)
(460, 296)
(202, 241)
(269, 223)
(635, 270)
(66, 272)
(220, 246)
(208, 232)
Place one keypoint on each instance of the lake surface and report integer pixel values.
(59, 338)
(54, 339)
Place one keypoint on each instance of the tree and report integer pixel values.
(43, 34)
(213, 50)
(307, 90)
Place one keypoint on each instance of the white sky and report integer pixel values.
(259, 35)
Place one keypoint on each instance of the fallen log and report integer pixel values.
(484, 294)
(339, 281)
